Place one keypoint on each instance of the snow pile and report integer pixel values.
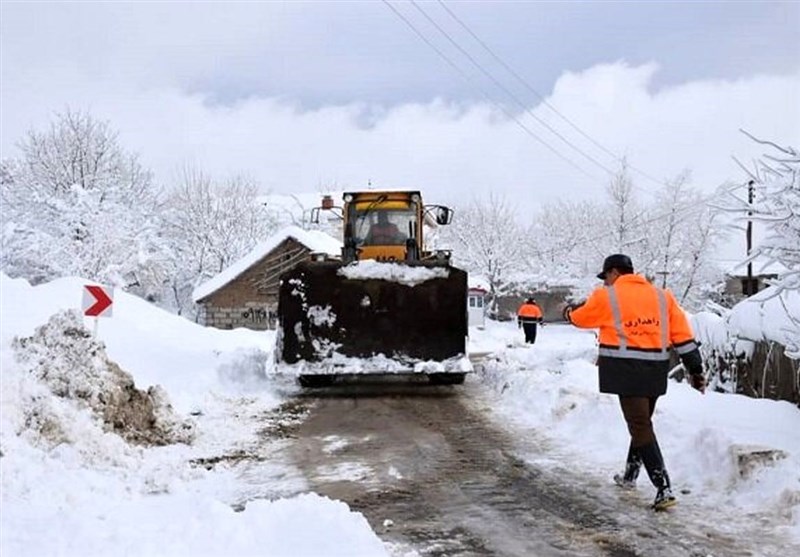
(392, 272)
(63, 356)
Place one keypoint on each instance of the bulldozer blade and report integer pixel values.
(327, 318)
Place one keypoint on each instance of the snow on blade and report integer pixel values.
(393, 272)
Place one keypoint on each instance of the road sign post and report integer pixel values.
(97, 302)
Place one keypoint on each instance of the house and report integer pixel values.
(740, 285)
(246, 293)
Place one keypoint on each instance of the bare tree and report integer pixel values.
(210, 226)
(566, 237)
(623, 208)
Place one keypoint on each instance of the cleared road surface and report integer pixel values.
(430, 470)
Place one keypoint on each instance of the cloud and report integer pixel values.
(450, 150)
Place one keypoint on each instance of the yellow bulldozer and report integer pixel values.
(387, 306)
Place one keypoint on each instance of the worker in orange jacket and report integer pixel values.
(529, 316)
(638, 324)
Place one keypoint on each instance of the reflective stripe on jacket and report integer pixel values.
(529, 313)
(636, 320)
(638, 324)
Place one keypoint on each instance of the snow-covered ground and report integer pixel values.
(86, 491)
(94, 494)
(552, 387)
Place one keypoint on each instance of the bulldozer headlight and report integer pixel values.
(348, 197)
(415, 198)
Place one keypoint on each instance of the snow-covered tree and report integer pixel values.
(669, 239)
(76, 203)
(489, 242)
(776, 178)
(680, 241)
(210, 225)
(565, 238)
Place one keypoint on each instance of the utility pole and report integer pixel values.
(750, 198)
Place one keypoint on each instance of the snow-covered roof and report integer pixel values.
(314, 240)
(771, 314)
(761, 266)
(475, 281)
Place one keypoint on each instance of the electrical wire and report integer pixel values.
(486, 96)
(686, 211)
(510, 94)
(541, 97)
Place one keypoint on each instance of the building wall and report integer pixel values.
(551, 301)
(251, 300)
(735, 286)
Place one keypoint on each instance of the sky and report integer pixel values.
(95, 494)
(310, 96)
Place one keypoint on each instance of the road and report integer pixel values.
(433, 472)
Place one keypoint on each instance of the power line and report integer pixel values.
(488, 98)
(541, 97)
(507, 91)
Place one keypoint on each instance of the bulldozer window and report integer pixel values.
(383, 227)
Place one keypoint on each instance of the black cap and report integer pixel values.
(615, 261)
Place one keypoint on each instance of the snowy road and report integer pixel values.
(434, 474)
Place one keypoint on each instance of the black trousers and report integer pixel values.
(530, 332)
(638, 411)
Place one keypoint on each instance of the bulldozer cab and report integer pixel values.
(383, 225)
(388, 225)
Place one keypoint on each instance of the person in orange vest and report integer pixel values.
(528, 316)
(638, 324)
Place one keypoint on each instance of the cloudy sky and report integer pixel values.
(304, 96)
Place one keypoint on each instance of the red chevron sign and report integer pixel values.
(97, 300)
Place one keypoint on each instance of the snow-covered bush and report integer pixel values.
(774, 200)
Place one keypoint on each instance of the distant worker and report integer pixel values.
(528, 316)
(384, 232)
(638, 324)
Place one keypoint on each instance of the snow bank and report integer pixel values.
(72, 485)
(552, 387)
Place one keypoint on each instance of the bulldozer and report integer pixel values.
(386, 306)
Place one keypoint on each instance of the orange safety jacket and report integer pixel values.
(529, 313)
(638, 324)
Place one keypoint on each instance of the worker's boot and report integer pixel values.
(654, 464)
(627, 480)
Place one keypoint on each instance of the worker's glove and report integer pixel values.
(569, 308)
(519, 324)
(698, 381)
